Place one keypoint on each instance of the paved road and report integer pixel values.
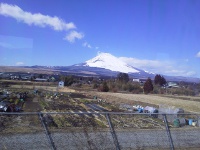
(102, 140)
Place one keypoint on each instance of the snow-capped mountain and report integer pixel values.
(103, 65)
(110, 62)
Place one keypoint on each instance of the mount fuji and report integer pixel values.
(110, 62)
(104, 64)
(109, 65)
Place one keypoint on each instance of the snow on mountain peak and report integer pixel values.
(108, 61)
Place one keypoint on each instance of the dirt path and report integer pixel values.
(187, 105)
(32, 105)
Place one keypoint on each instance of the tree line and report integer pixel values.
(122, 83)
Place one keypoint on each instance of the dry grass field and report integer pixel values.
(48, 86)
(25, 70)
(42, 87)
(189, 105)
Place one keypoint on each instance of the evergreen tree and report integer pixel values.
(69, 80)
(163, 81)
(159, 80)
(148, 86)
(123, 77)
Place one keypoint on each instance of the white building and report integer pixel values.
(136, 80)
(61, 84)
(172, 85)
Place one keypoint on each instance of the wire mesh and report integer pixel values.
(98, 131)
(137, 131)
(185, 132)
(80, 132)
(22, 132)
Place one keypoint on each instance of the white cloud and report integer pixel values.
(19, 63)
(198, 54)
(179, 72)
(161, 67)
(36, 19)
(85, 44)
(74, 35)
(40, 20)
(140, 63)
(191, 73)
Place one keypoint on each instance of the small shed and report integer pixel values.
(61, 84)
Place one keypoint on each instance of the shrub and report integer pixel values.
(95, 86)
(17, 101)
(104, 87)
(114, 90)
(11, 100)
(158, 90)
(181, 91)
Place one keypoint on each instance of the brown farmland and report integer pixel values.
(189, 105)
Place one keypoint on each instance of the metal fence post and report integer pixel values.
(168, 132)
(47, 132)
(113, 132)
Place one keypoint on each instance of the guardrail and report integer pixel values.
(99, 130)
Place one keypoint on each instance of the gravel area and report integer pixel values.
(102, 140)
(24, 142)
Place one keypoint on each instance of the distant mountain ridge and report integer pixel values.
(104, 64)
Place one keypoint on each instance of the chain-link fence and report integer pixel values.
(98, 131)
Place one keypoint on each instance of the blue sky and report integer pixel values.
(161, 36)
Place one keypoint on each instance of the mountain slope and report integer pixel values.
(110, 62)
